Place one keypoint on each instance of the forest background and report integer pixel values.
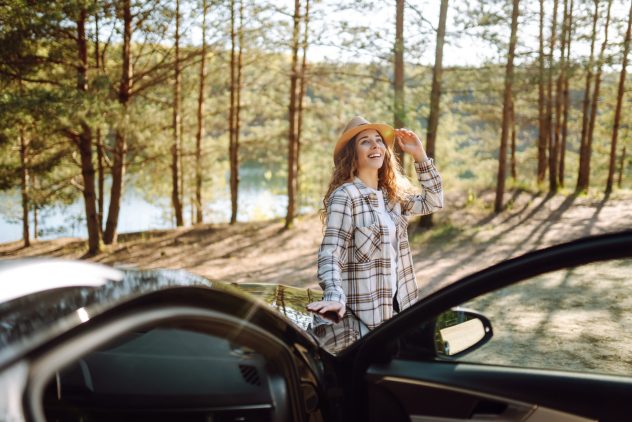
(178, 98)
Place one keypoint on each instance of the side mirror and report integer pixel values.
(459, 331)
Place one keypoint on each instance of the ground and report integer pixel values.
(467, 237)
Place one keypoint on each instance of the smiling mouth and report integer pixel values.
(375, 155)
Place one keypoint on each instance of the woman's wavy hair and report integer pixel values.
(390, 178)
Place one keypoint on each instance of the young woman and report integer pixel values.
(365, 266)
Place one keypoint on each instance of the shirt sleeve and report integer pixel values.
(431, 197)
(333, 249)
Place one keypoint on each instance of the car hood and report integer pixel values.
(64, 301)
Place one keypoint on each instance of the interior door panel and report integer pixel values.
(447, 391)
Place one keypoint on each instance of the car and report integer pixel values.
(543, 337)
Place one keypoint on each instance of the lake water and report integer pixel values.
(256, 202)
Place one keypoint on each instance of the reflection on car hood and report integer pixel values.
(46, 313)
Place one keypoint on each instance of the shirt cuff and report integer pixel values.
(424, 166)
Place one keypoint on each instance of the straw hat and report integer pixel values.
(359, 124)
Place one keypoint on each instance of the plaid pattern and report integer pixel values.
(354, 264)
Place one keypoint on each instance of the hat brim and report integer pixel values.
(386, 131)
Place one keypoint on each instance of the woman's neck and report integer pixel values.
(369, 178)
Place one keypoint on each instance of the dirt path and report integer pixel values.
(464, 240)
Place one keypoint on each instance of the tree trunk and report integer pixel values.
(593, 110)
(84, 143)
(621, 167)
(566, 102)
(177, 136)
(617, 113)
(35, 221)
(399, 117)
(542, 134)
(513, 141)
(559, 97)
(25, 187)
(232, 117)
(99, 138)
(199, 136)
(435, 96)
(292, 117)
(120, 148)
(582, 180)
(551, 139)
(301, 97)
(507, 101)
(89, 195)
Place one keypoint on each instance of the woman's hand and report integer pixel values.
(410, 143)
(328, 309)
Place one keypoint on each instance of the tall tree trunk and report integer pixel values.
(36, 219)
(582, 180)
(593, 110)
(507, 101)
(617, 113)
(399, 108)
(293, 123)
(435, 96)
(84, 143)
(621, 168)
(232, 117)
(559, 96)
(25, 187)
(542, 134)
(549, 104)
(120, 147)
(177, 136)
(301, 97)
(199, 136)
(89, 195)
(512, 113)
(566, 102)
(99, 138)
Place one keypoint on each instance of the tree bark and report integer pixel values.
(199, 136)
(301, 97)
(581, 173)
(559, 97)
(551, 139)
(542, 134)
(513, 141)
(507, 101)
(621, 168)
(177, 136)
(99, 138)
(120, 148)
(399, 117)
(593, 111)
(84, 143)
(566, 102)
(617, 113)
(435, 96)
(293, 123)
(25, 187)
(232, 117)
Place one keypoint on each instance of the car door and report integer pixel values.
(560, 347)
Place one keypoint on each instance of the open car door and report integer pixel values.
(555, 344)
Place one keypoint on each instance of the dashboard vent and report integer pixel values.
(250, 374)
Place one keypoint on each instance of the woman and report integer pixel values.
(365, 266)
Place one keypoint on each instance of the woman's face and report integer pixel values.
(370, 150)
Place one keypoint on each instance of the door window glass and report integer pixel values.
(577, 319)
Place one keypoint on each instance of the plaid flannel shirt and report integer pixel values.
(354, 265)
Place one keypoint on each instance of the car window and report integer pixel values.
(577, 319)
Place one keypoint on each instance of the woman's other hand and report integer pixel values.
(328, 309)
(410, 143)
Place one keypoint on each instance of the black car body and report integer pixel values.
(95, 343)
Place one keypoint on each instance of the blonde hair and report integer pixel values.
(390, 177)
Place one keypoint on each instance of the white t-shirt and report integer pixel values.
(392, 234)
